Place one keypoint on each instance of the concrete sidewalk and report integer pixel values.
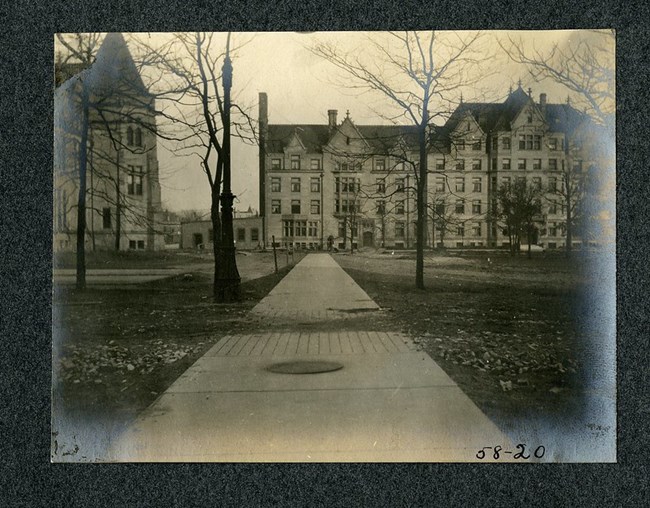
(388, 403)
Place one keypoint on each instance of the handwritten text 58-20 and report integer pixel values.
(498, 452)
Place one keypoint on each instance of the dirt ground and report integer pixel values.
(512, 332)
(115, 349)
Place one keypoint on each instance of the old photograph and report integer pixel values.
(334, 247)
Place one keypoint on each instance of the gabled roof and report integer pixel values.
(314, 137)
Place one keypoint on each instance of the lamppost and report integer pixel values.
(228, 281)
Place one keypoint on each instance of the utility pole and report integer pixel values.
(228, 283)
(322, 212)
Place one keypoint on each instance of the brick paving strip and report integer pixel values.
(389, 402)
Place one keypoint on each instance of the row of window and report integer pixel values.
(295, 184)
(298, 228)
(295, 163)
(295, 207)
(441, 184)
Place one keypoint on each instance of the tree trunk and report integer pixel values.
(118, 203)
(216, 237)
(422, 202)
(81, 202)
(569, 218)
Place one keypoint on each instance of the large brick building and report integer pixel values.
(123, 192)
(320, 183)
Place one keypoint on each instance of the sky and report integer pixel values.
(301, 87)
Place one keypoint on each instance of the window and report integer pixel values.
(314, 184)
(138, 137)
(106, 218)
(341, 229)
(552, 184)
(495, 143)
(315, 164)
(276, 185)
(552, 229)
(537, 183)
(552, 207)
(381, 207)
(241, 235)
(537, 164)
(505, 143)
(552, 164)
(494, 163)
(337, 206)
(129, 137)
(460, 144)
(295, 185)
(440, 164)
(476, 165)
(295, 206)
(552, 144)
(134, 181)
(133, 244)
(210, 235)
(380, 164)
(476, 185)
(440, 184)
(476, 146)
(460, 230)
(521, 164)
(381, 185)
(399, 208)
(521, 180)
(476, 229)
(399, 184)
(295, 162)
(460, 165)
(315, 206)
(522, 142)
(505, 163)
(529, 118)
(476, 206)
(537, 142)
(276, 206)
(460, 185)
(276, 163)
(140, 244)
(399, 229)
(440, 209)
(505, 181)
(460, 206)
(255, 235)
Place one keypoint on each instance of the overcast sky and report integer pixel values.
(301, 88)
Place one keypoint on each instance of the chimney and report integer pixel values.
(263, 117)
(263, 114)
(542, 104)
(331, 113)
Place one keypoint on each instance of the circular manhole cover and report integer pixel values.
(304, 367)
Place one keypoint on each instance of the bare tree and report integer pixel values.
(520, 209)
(584, 67)
(195, 72)
(415, 71)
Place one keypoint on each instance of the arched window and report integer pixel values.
(129, 136)
(138, 137)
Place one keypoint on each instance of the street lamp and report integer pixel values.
(228, 279)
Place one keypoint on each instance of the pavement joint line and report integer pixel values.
(369, 389)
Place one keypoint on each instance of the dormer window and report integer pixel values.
(295, 162)
(129, 136)
(530, 118)
(138, 137)
(468, 127)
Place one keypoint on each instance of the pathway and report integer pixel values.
(389, 402)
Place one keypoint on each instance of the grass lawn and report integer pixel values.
(512, 332)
